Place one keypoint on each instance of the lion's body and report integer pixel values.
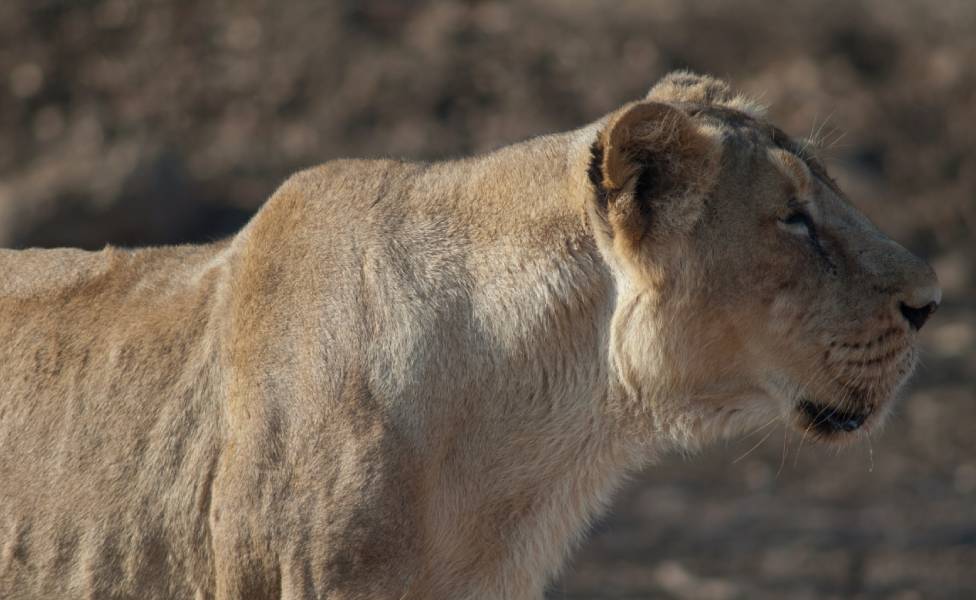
(422, 381)
(189, 426)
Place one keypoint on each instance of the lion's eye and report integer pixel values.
(798, 222)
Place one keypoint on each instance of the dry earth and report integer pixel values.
(158, 122)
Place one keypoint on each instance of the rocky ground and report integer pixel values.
(158, 122)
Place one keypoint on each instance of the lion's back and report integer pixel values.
(106, 407)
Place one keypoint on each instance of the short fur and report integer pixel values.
(423, 380)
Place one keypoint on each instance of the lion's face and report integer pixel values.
(826, 307)
(751, 286)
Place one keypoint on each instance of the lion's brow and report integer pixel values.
(785, 142)
(757, 129)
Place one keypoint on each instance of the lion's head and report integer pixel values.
(749, 288)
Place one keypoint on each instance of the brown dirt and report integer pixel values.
(156, 122)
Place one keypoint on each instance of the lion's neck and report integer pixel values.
(538, 454)
(535, 449)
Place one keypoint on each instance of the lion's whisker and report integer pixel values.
(757, 444)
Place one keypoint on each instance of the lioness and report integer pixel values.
(407, 380)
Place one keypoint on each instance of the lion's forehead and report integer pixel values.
(750, 141)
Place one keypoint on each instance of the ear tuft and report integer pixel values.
(685, 86)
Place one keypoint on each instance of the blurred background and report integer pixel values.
(153, 122)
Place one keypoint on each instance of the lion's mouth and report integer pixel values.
(826, 420)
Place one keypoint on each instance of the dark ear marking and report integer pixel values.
(595, 173)
(648, 184)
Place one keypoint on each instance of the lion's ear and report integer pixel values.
(686, 86)
(651, 166)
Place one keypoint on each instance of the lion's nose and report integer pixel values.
(920, 305)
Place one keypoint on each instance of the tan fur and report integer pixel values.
(424, 380)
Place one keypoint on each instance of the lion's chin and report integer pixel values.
(829, 421)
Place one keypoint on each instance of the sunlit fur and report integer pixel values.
(424, 381)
